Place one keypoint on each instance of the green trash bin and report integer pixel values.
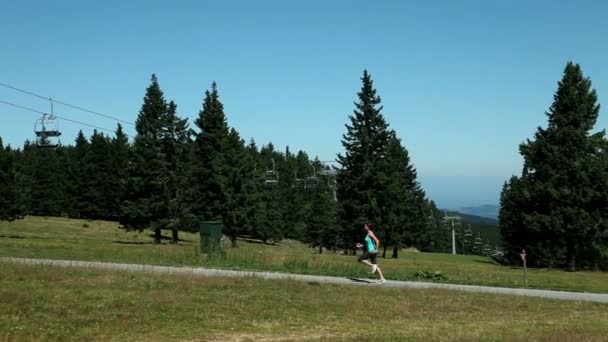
(211, 237)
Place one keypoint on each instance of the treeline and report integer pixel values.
(174, 175)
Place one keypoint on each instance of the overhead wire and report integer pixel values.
(66, 104)
(60, 117)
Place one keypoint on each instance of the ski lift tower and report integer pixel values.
(452, 222)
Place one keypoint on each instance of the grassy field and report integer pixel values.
(59, 238)
(57, 304)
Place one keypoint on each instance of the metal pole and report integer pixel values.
(453, 239)
(452, 220)
(525, 274)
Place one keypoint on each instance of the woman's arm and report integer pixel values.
(373, 236)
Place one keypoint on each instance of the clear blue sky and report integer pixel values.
(462, 82)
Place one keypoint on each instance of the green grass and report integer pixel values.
(60, 238)
(58, 304)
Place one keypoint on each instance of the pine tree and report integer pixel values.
(562, 191)
(146, 201)
(25, 179)
(515, 234)
(210, 170)
(322, 230)
(296, 197)
(47, 182)
(359, 182)
(9, 204)
(268, 224)
(223, 177)
(175, 147)
(241, 189)
(76, 176)
(402, 200)
(99, 179)
(21, 179)
(439, 239)
(120, 166)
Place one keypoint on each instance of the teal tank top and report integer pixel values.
(369, 243)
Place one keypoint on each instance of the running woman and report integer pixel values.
(370, 251)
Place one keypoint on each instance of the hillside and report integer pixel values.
(486, 210)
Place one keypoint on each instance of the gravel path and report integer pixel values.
(208, 272)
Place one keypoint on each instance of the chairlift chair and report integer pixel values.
(311, 181)
(47, 131)
(272, 176)
(486, 248)
(299, 183)
(468, 232)
(330, 175)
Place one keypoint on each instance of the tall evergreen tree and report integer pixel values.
(269, 223)
(274, 196)
(76, 176)
(241, 189)
(439, 239)
(25, 180)
(402, 200)
(296, 195)
(46, 178)
(99, 179)
(562, 193)
(322, 229)
(9, 204)
(175, 146)
(146, 200)
(359, 182)
(210, 169)
(120, 165)
(223, 175)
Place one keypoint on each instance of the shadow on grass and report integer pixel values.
(357, 280)
(486, 262)
(12, 236)
(23, 237)
(150, 242)
(167, 238)
(256, 241)
(122, 242)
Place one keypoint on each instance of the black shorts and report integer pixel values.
(372, 256)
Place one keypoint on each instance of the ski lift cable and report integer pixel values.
(67, 104)
(26, 108)
(89, 125)
(61, 117)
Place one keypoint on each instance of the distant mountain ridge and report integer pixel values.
(486, 210)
